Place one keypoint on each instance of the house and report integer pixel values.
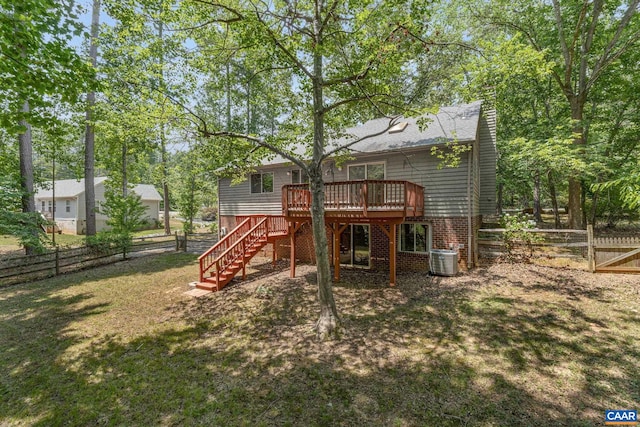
(69, 203)
(385, 208)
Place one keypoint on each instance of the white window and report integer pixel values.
(366, 171)
(298, 176)
(50, 206)
(414, 237)
(43, 207)
(68, 206)
(262, 182)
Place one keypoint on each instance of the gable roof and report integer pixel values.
(146, 192)
(459, 123)
(456, 123)
(67, 188)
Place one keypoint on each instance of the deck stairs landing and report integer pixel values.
(223, 261)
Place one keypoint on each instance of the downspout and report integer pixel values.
(469, 206)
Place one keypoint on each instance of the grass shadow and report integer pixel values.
(479, 349)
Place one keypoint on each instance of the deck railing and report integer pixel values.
(277, 223)
(238, 249)
(208, 259)
(365, 195)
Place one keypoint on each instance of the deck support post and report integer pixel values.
(273, 254)
(392, 234)
(292, 256)
(335, 228)
(337, 231)
(392, 255)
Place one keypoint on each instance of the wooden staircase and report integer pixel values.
(230, 255)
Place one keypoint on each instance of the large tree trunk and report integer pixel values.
(328, 320)
(26, 170)
(575, 183)
(89, 138)
(163, 143)
(165, 179)
(228, 95)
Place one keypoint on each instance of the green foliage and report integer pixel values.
(193, 185)
(558, 73)
(126, 212)
(451, 154)
(209, 213)
(108, 242)
(26, 226)
(627, 189)
(517, 234)
(38, 62)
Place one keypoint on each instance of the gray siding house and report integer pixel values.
(69, 203)
(455, 198)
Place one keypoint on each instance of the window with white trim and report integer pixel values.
(298, 176)
(68, 206)
(43, 207)
(262, 182)
(367, 171)
(414, 237)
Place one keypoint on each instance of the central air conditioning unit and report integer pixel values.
(443, 262)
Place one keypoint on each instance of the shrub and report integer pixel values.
(108, 242)
(517, 234)
(209, 213)
(125, 213)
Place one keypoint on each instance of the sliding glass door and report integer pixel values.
(354, 246)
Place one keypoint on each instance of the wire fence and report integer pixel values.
(604, 253)
(547, 243)
(24, 268)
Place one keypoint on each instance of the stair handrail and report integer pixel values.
(242, 241)
(224, 241)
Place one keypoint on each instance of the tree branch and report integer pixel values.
(566, 53)
(238, 15)
(256, 140)
(363, 97)
(586, 48)
(392, 122)
(607, 57)
(280, 46)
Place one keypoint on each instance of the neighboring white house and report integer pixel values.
(69, 204)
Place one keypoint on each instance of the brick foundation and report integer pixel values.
(445, 234)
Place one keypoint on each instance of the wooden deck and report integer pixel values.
(363, 200)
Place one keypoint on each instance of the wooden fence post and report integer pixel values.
(181, 242)
(591, 249)
(57, 260)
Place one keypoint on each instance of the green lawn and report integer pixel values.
(10, 243)
(505, 345)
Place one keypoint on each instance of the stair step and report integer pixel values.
(207, 286)
(213, 284)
